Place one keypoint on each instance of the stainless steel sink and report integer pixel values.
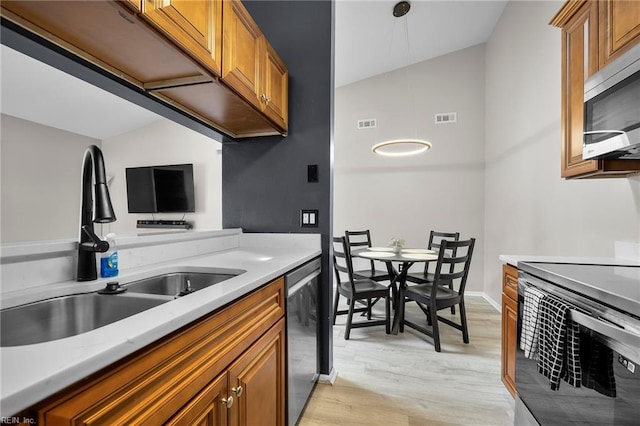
(176, 283)
(67, 316)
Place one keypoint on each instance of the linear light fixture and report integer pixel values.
(401, 147)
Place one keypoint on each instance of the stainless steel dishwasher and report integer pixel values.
(302, 336)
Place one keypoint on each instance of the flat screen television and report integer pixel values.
(160, 189)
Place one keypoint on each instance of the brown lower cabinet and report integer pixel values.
(227, 368)
(509, 326)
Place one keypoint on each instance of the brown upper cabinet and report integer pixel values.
(275, 93)
(593, 34)
(620, 28)
(251, 66)
(195, 26)
(174, 51)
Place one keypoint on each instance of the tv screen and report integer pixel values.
(160, 189)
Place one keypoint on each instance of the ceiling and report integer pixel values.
(37, 92)
(369, 41)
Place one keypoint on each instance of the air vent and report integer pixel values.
(369, 123)
(446, 117)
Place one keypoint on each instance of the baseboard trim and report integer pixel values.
(328, 379)
(496, 305)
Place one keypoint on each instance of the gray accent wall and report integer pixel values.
(264, 180)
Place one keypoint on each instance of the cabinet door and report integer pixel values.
(579, 61)
(256, 381)
(208, 408)
(134, 4)
(242, 52)
(619, 28)
(509, 342)
(275, 86)
(194, 25)
(509, 326)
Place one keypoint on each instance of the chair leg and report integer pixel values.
(394, 294)
(429, 320)
(369, 309)
(463, 322)
(335, 306)
(401, 307)
(434, 328)
(387, 314)
(347, 330)
(453, 308)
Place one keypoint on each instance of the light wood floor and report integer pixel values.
(401, 380)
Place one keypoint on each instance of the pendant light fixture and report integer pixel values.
(403, 147)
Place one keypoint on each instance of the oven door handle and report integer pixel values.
(303, 282)
(614, 332)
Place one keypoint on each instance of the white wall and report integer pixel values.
(407, 197)
(529, 208)
(40, 173)
(161, 143)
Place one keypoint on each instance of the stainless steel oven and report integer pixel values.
(604, 302)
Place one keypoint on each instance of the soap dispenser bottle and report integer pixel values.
(109, 259)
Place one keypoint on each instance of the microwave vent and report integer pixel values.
(446, 117)
(368, 123)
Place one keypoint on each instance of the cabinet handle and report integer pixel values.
(238, 391)
(263, 97)
(228, 401)
(268, 99)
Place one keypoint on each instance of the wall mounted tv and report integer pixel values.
(160, 189)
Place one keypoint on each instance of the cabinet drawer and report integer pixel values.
(510, 281)
(151, 385)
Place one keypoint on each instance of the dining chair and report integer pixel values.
(436, 295)
(435, 240)
(356, 290)
(361, 240)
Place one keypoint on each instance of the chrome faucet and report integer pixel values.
(100, 212)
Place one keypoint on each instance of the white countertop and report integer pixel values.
(513, 260)
(33, 372)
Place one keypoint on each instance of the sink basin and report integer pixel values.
(172, 284)
(67, 316)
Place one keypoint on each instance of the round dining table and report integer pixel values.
(405, 258)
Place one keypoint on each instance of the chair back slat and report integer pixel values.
(359, 240)
(435, 241)
(342, 262)
(448, 267)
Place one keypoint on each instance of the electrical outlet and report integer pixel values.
(309, 218)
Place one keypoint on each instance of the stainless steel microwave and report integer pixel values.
(612, 109)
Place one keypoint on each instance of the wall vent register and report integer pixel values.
(446, 117)
(369, 123)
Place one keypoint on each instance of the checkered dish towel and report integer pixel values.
(530, 323)
(559, 344)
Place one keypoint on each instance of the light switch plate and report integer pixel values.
(308, 218)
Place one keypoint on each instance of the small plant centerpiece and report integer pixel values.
(396, 244)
